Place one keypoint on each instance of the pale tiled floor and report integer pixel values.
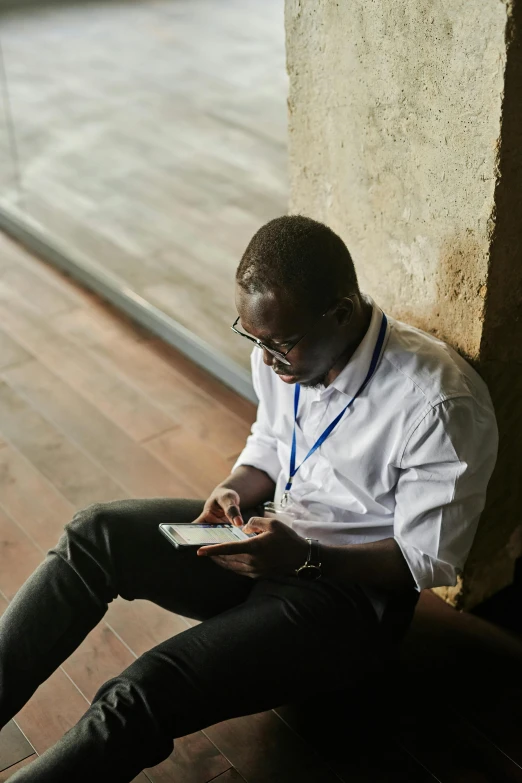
(152, 137)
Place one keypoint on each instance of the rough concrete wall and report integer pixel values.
(394, 121)
(406, 137)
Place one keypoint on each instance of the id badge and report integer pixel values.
(285, 511)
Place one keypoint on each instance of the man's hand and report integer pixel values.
(221, 508)
(276, 550)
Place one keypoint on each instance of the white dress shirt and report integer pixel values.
(409, 460)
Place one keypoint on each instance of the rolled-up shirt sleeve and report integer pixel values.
(261, 446)
(444, 472)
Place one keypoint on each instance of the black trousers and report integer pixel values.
(263, 642)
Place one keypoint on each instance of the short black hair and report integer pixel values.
(301, 256)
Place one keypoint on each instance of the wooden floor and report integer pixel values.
(92, 408)
(152, 139)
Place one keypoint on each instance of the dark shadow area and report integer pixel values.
(502, 334)
(500, 361)
(446, 705)
(505, 608)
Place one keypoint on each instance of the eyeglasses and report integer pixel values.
(281, 356)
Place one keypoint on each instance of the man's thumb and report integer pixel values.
(234, 514)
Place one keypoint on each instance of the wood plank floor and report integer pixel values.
(91, 408)
(152, 138)
(78, 426)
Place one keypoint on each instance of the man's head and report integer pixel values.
(297, 278)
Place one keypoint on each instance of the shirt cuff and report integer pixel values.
(261, 458)
(427, 571)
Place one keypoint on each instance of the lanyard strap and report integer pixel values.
(328, 430)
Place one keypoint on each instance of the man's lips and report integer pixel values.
(285, 376)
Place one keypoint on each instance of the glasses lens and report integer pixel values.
(278, 356)
(260, 345)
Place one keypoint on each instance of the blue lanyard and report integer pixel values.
(328, 430)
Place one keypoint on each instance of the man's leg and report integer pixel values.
(107, 550)
(288, 639)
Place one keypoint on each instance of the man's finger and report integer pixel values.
(257, 525)
(233, 564)
(233, 548)
(239, 571)
(234, 515)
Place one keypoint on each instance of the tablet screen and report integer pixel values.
(201, 534)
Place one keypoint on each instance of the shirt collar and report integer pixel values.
(353, 374)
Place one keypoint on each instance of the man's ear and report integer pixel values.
(344, 310)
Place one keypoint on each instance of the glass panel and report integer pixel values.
(9, 168)
(152, 137)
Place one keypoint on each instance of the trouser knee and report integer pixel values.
(86, 545)
(90, 521)
(158, 696)
(138, 707)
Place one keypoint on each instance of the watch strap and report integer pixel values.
(313, 552)
(311, 569)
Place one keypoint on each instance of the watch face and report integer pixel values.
(309, 572)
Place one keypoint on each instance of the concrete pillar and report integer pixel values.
(405, 134)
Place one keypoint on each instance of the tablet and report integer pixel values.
(190, 534)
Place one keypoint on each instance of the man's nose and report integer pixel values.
(268, 358)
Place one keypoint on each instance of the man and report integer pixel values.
(382, 437)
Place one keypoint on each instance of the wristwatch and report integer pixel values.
(311, 570)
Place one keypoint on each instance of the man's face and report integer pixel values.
(279, 323)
